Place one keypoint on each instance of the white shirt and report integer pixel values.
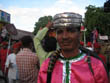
(90, 48)
(11, 59)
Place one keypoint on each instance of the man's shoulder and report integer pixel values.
(26, 52)
(95, 61)
(44, 65)
(11, 55)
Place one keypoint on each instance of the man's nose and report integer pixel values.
(65, 34)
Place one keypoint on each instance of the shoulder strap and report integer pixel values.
(90, 53)
(53, 59)
(89, 64)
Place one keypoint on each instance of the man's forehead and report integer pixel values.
(70, 29)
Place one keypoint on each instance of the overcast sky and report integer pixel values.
(24, 13)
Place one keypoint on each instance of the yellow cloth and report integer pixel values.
(41, 53)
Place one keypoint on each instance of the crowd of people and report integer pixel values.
(55, 55)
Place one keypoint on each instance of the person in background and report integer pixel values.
(97, 49)
(27, 62)
(3, 55)
(11, 63)
(81, 43)
(70, 64)
(45, 42)
(89, 46)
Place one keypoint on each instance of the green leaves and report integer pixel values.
(41, 23)
(95, 17)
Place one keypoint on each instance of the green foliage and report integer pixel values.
(95, 17)
(41, 23)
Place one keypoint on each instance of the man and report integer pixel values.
(45, 42)
(11, 63)
(27, 62)
(3, 56)
(69, 65)
(89, 46)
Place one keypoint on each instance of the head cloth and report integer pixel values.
(67, 19)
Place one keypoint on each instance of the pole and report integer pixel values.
(8, 50)
(8, 46)
(84, 39)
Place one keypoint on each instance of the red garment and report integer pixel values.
(17, 45)
(78, 69)
(97, 48)
(81, 43)
(3, 55)
(97, 45)
(102, 57)
(82, 28)
(89, 44)
(4, 43)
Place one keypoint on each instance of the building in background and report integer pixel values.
(4, 16)
(5, 24)
(22, 33)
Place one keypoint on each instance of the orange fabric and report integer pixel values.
(52, 34)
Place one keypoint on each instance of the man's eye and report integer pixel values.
(59, 31)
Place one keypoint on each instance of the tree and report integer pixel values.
(41, 23)
(95, 17)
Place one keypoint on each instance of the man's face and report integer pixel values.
(68, 38)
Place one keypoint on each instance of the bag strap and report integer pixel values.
(93, 54)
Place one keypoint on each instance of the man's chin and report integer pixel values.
(67, 49)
